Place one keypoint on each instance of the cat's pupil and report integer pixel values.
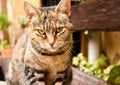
(45, 17)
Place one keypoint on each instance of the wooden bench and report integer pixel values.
(2, 83)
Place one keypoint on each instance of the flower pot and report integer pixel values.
(6, 52)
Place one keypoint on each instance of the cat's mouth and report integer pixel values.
(53, 51)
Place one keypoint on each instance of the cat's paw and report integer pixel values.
(59, 83)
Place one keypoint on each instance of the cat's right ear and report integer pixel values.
(30, 10)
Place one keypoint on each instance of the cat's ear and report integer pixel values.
(64, 6)
(30, 10)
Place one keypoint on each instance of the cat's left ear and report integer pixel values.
(30, 10)
(64, 6)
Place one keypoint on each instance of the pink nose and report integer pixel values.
(51, 43)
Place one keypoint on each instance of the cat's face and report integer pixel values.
(50, 31)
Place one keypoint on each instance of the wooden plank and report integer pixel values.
(84, 44)
(0, 6)
(80, 78)
(4, 6)
(96, 15)
(3, 83)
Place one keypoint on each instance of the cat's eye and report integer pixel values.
(41, 31)
(60, 29)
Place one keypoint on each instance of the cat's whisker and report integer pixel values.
(70, 52)
(73, 45)
(76, 41)
(73, 52)
(65, 49)
(39, 49)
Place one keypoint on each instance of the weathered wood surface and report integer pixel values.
(2, 83)
(80, 78)
(96, 15)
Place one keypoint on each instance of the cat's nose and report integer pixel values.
(51, 43)
(51, 40)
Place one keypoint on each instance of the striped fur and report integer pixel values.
(41, 55)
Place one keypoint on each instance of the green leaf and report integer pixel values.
(4, 43)
(4, 22)
(98, 72)
(102, 60)
(114, 77)
(108, 69)
(23, 21)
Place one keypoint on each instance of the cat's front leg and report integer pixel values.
(59, 83)
(65, 77)
(34, 76)
(61, 78)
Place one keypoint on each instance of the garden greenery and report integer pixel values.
(101, 68)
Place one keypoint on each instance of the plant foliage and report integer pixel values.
(4, 22)
(101, 68)
(23, 21)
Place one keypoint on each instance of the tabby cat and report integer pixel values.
(41, 55)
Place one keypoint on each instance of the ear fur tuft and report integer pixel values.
(64, 6)
(30, 10)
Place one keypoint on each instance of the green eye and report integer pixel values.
(41, 31)
(60, 29)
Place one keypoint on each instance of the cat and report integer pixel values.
(42, 54)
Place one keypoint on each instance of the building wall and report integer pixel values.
(3, 8)
(111, 45)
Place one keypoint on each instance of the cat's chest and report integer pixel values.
(55, 63)
(51, 65)
(59, 62)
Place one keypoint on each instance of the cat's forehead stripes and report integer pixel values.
(50, 20)
(47, 25)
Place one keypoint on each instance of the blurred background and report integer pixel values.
(91, 43)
